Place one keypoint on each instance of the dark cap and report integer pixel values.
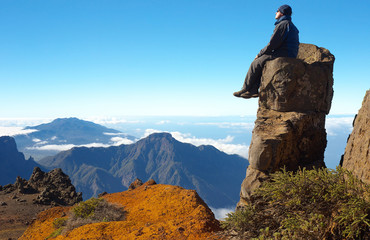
(285, 9)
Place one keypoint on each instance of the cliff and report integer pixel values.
(295, 96)
(13, 162)
(356, 157)
(152, 212)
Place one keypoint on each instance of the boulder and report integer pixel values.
(299, 85)
(356, 157)
(135, 184)
(295, 96)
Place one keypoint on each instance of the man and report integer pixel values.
(284, 42)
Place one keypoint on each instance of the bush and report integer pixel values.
(308, 204)
(91, 211)
(87, 209)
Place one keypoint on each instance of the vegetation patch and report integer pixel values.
(308, 204)
(91, 211)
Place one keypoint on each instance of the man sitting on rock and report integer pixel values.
(284, 42)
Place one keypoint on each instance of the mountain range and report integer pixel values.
(215, 175)
(64, 133)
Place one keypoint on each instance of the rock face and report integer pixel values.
(12, 162)
(52, 188)
(357, 154)
(295, 96)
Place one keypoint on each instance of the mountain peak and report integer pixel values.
(161, 135)
(7, 144)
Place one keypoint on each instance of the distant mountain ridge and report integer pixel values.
(215, 175)
(64, 133)
(12, 162)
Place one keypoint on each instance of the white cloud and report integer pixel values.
(221, 213)
(339, 124)
(42, 143)
(224, 145)
(36, 140)
(53, 138)
(119, 141)
(52, 147)
(63, 147)
(14, 131)
(244, 125)
(115, 134)
(110, 120)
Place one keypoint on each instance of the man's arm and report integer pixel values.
(276, 40)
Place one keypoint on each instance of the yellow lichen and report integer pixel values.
(153, 212)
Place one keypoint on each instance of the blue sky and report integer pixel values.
(83, 58)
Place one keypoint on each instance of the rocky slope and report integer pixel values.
(22, 201)
(153, 212)
(295, 96)
(12, 162)
(357, 154)
(213, 174)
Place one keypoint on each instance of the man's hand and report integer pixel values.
(256, 57)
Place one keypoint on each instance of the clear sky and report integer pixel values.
(63, 58)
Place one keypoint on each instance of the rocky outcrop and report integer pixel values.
(153, 212)
(295, 96)
(52, 188)
(356, 157)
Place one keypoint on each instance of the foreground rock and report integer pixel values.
(357, 154)
(153, 212)
(22, 201)
(295, 96)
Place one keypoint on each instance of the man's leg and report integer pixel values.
(253, 79)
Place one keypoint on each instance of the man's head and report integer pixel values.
(285, 10)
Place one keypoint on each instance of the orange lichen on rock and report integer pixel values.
(153, 212)
(42, 227)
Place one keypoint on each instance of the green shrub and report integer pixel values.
(87, 212)
(308, 204)
(58, 224)
(86, 209)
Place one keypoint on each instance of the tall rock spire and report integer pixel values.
(295, 96)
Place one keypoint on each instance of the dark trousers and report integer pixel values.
(253, 79)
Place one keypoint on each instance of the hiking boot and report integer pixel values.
(239, 93)
(249, 95)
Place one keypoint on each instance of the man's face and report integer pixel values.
(278, 15)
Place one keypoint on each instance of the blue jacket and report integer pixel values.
(284, 41)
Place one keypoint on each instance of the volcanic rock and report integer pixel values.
(357, 154)
(53, 188)
(295, 96)
(135, 184)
